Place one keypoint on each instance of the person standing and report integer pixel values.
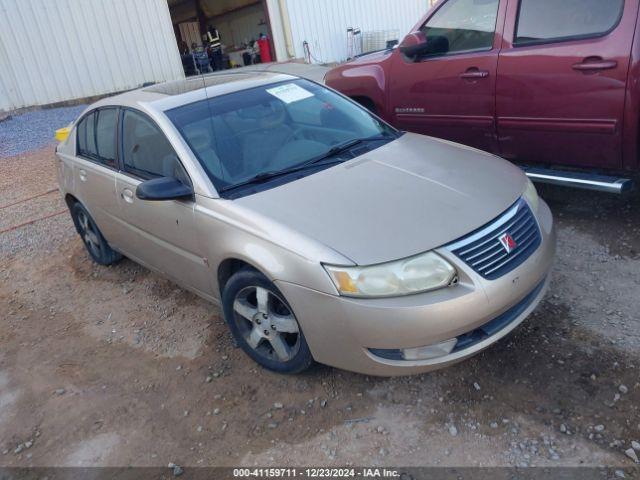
(215, 47)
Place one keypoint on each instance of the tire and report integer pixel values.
(263, 324)
(95, 243)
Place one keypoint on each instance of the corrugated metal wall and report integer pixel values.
(241, 26)
(324, 23)
(53, 51)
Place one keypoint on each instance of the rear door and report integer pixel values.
(562, 79)
(451, 94)
(161, 235)
(96, 169)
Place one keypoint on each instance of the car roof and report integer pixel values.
(164, 96)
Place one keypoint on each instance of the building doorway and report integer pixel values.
(242, 26)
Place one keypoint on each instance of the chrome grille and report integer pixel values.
(484, 251)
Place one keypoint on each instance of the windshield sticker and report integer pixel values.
(290, 93)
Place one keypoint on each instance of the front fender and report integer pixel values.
(365, 77)
(227, 231)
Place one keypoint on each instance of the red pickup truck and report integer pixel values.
(551, 84)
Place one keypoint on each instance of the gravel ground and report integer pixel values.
(96, 361)
(33, 130)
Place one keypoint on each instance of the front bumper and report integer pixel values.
(342, 332)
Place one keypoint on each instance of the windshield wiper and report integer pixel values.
(266, 176)
(343, 147)
(314, 162)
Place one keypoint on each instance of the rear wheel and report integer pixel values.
(97, 247)
(263, 324)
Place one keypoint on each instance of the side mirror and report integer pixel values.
(413, 44)
(164, 188)
(417, 44)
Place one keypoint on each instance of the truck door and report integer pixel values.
(450, 92)
(562, 77)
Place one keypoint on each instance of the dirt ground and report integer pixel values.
(118, 366)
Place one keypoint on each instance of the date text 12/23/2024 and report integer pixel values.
(315, 473)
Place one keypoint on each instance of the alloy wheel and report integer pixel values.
(89, 234)
(266, 323)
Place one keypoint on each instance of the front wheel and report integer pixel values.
(263, 324)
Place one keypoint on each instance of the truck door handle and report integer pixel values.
(127, 195)
(83, 175)
(595, 63)
(474, 74)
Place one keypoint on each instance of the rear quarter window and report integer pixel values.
(548, 21)
(86, 136)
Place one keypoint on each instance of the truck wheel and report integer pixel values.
(263, 324)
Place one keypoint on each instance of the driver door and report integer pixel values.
(451, 94)
(160, 235)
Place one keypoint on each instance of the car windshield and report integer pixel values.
(266, 136)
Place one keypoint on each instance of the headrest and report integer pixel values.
(199, 138)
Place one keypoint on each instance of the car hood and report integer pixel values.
(407, 197)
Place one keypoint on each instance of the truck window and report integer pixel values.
(461, 26)
(547, 21)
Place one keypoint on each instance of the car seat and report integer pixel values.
(145, 146)
(201, 142)
(260, 147)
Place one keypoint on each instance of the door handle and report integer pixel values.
(127, 195)
(83, 175)
(595, 63)
(474, 74)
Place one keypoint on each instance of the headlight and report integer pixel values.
(531, 196)
(428, 271)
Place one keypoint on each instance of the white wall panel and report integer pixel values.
(277, 31)
(241, 25)
(324, 23)
(67, 49)
(190, 33)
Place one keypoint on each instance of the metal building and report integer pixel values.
(55, 51)
(323, 24)
(58, 50)
(299, 27)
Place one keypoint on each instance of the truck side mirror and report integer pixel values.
(413, 44)
(417, 44)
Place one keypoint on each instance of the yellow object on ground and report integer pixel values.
(62, 134)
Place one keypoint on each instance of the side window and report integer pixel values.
(97, 136)
(87, 137)
(106, 136)
(542, 21)
(147, 153)
(462, 26)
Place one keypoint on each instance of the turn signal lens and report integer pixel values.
(345, 283)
